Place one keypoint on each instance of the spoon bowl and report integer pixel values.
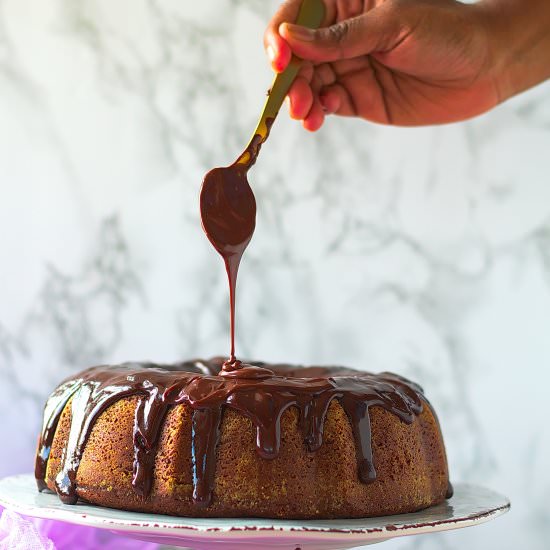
(227, 199)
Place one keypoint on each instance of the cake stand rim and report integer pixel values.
(48, 506)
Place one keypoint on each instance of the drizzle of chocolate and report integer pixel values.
(450, 490)
(259, 393)
(228, 215)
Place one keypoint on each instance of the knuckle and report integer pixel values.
(338, 33)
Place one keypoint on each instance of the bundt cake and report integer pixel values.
(271, 441)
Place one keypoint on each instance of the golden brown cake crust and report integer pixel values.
(410, 461)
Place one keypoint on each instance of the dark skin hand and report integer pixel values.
(410, 62)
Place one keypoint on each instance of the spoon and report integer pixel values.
(227, 203)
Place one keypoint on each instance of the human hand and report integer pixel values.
(401, 62)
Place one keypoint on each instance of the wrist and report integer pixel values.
(519, 43)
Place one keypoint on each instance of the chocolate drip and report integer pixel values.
(228, 215)
(450, 490)
(258, 393)
(312, 420)
(148, 419)
(205, 436)
(88, 402)
(358, 414)
(52, 413)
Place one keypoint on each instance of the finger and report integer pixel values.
(315, 117)
(301, 99)
(325, 74)
(316, 84)
(336, 100)
(347, 66)
(350, 8)
(330, 101)
(375, 31)
(306, 70)
(370, 4)
(276, 48)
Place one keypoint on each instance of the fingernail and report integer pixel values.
(270, 53)
(299, 33)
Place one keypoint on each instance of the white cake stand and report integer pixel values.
(470, 505)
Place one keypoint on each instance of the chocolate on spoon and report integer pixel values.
(227, 203)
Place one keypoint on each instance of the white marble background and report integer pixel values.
(424, 251)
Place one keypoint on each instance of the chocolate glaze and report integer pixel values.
(450, 490)
(228, 214)
(259, 393)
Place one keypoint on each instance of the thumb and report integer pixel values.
(374, 31)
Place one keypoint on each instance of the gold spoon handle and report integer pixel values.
(311, 15)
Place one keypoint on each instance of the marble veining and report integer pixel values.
(422, 251)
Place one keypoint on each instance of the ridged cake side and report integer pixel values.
(410, 461)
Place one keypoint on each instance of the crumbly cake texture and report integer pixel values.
(410, 462)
